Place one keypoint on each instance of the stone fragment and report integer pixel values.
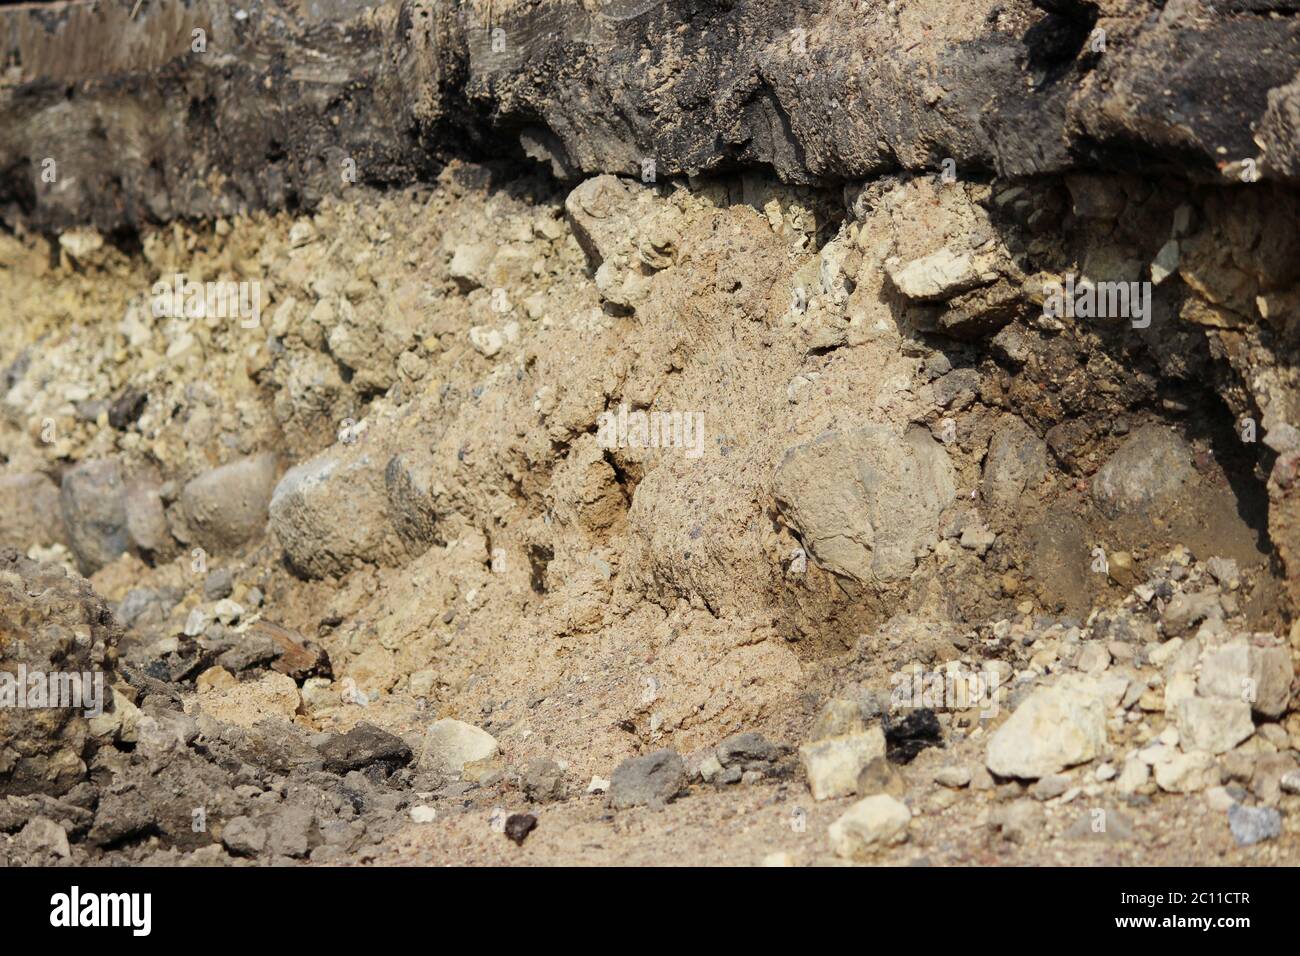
(242, 837)
(299, 657)
(1055, 728)
(227, 611)
(518, 826)
(1018, 821)
(1134, 774)
(146, 519)
(451, 744)
(1165, 263)
(1186, 609)
(1213, 724)
(42, 835)
(748, 749)
(542, 781)
(651, 780)
(1050, 787)
(953, 777)
(833, 765)
(1219, 798)
(219, 583)
(363, 746)
(938, 276)
(839, 717)
(291, 831)
(1187, 772)
(1251, 825)
(214, 678)
(873, 821)
(1271, 673)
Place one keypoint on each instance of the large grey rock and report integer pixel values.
(330, 514)
(1145, 474)
(108, 512)
(291, 830)
(227, 506)
(866, 501)
(747, 749)
(93, 500)
(144, 609)
(220, 583)
(243, 837)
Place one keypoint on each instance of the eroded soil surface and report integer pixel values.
(387, 564)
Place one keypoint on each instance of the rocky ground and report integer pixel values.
(367, 586)
(757, 508)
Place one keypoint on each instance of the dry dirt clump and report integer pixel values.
(703, 520)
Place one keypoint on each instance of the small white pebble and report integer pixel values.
(228, 611)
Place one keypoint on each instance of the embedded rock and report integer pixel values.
(227, 506)
(1055, 728)
(867, 501)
